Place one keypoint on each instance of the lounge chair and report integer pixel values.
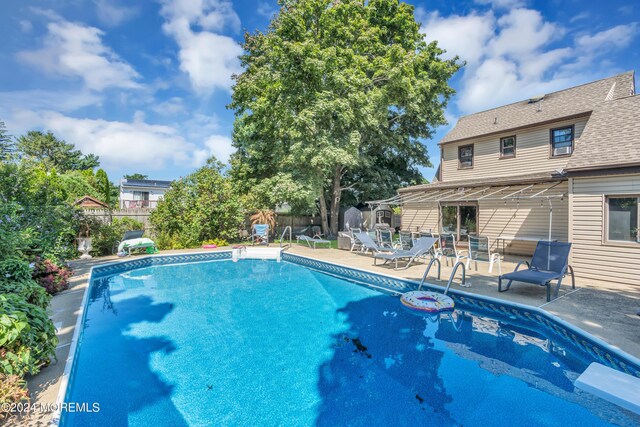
(133, 240)
(479, 250)
(368, 244)
(314, 240)
(406, 242)
(355, 243)
(421, 247)
(260, 234)
(550, 262)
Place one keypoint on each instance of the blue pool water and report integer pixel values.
(266, 343)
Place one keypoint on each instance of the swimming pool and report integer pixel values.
(265, 343)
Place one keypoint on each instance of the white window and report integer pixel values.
(508, 147)
(623, 220)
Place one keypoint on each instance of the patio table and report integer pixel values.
(518, 238)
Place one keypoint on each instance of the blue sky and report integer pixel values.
(145, 84)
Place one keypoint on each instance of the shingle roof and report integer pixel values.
(532, 178)
(575, 101)
(146, 183)
(611, 136)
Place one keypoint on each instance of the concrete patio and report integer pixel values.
(606, 310)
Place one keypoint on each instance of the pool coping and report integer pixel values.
(467, 297)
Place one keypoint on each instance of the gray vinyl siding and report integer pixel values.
(592, 256)
(532, 154)
(420, 216)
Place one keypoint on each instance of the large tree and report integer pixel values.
(47, 149)
(335, 93)
(7, 145)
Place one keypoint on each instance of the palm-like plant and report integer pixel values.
(264, 216)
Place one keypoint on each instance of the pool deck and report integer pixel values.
(606, 310)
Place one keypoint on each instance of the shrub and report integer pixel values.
(218, 242)
(196, 208)
(52, 277)
(13, 389)
(27, 336)
(16, 278)
(105, 237)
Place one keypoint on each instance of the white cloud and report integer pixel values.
(25, 26)
(41, 99)
(124, 145)
(465, 36)
(614, 38)
(266, 9)
(516, 55)
(112, 14)
(75, 50)
(171, 107)
(206, 56)
(502, 4)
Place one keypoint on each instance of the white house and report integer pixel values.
(142, 193)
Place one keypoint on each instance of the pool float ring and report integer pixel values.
(427, 302)
(209, 246)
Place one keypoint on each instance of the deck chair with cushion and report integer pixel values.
(421, 247)
(550, 262)
(314, 240)
(367, 244)
(479, 251)
(260, 234)
(133, 240)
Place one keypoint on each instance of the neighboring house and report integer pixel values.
(142, 193)
(88, 202)
(564, 165)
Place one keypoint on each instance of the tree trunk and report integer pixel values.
(323, 214)
(336, 193)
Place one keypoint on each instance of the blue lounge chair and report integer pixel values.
(260, 234)
(367, 244)
(314, 240)
(421, 247)
(550, 262)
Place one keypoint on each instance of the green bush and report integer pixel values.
(27, 337)
(16, 278)
(13, 389)
(218, 242)
(198, 207)
(105, 237)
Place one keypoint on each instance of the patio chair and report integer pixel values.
(447, 248)
(314, 240)
(385, 238)
(406, 242)
(133, 239)
(260, 234)
(368, 244)
(550, 262)
(421, 247)
(480, 250)
(355, 243)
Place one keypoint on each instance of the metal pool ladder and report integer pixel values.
(288, 227)
(453, 274)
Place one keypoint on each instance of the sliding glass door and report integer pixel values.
(460, 220)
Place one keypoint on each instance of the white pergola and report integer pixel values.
(514, 193)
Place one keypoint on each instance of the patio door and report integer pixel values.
(460, 220)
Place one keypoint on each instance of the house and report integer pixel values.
(142, 193)
(562, 166)
(88, 202)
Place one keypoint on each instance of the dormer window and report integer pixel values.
(507, 147)
(562, 141)
(465, 157)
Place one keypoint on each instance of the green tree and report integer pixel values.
(136, 176)
(334, 91)
(201, 206)
(104, 186)
(7, 145)
(52, 152)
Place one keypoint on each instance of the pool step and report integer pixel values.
(611, 385)
(256, 253)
